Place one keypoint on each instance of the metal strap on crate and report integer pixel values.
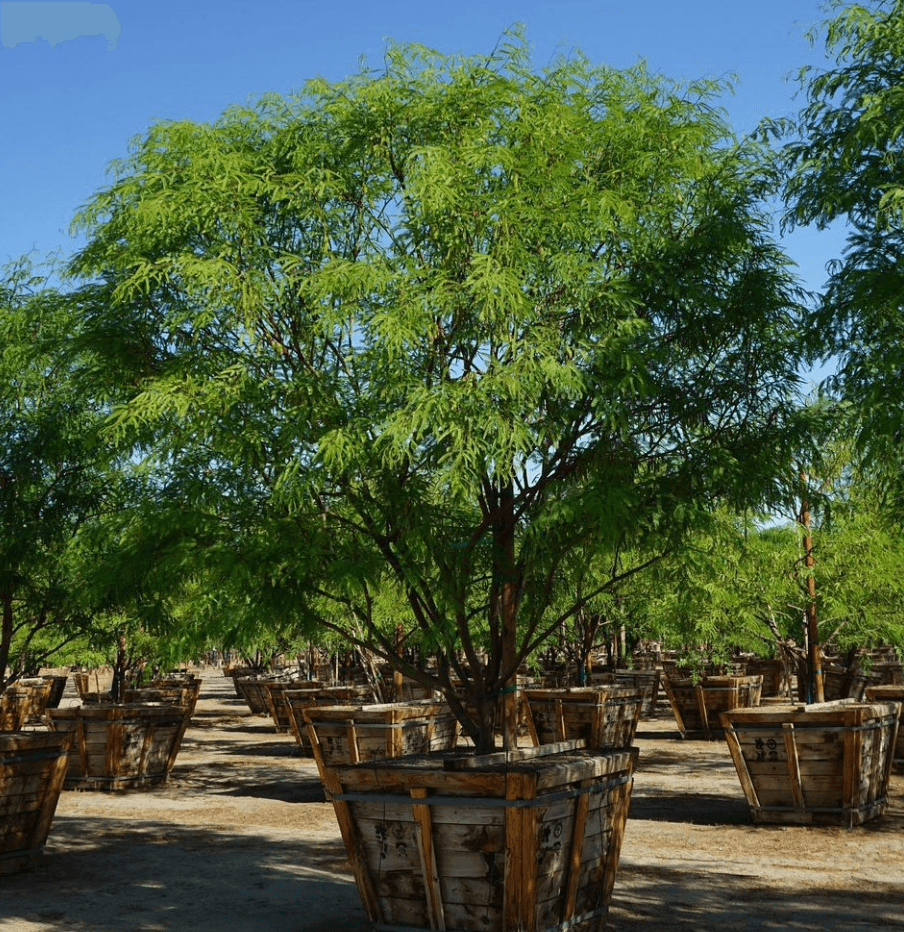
(407, 723)
(816, 726)
(52, 754)
(482, 802)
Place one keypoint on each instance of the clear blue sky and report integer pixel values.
(66, 111)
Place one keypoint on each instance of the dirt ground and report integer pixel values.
(241, 840)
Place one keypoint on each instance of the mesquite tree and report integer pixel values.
(406, 343)
(843, 166)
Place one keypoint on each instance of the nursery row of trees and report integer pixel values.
(482, 351)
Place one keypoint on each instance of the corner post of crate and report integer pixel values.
(81, 743)
(394, 734)
(531, 724)
(797, 790)
(701, 706)
(149, 734)
(559, 720)
(520, 852)
(853, 755)
(734, 747)
(576, 852)
(676, 710)
(316, 749)
(597, 723)
(271, 706)
(351, 736)
(353, 846)
(892, 736)
(618, 793)
(177, 744)
(293, 723)
(423, 819)
(115, 742)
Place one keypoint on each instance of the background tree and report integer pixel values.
(844, 156)
(439, 327)
(53, 474)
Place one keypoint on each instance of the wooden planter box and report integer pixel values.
(57, 686)
(120, 747)
(772, 672)
(341, 734)
(253, 690)
(168, 692)
(25, 701)
(605, 717)
(513, 842)
(297, 700)
(838, 683)
(32, 768)
(824, 763)
(696, 706)
(276, 692)
(891, 694)
(646, 682)
(99, 680)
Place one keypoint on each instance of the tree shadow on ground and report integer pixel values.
(694, 808)
(112, 875)
(712, 901)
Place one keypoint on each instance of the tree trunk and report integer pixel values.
(398, 678)
(816, 691)
(6, 634)
(509, 622)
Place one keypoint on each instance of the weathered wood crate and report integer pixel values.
(646, 682)
(342, 734)
(824, 763)
(119, 747)
(525, 841)
(171, 692)
(253, 690)
(604, 716)
(891, 693)
(97, 680)
(838, 683)
(233, 673)
(278, 706)
(772, 671)
(886, 673)
(23, 702)
(57, 686)
(297, 700)
(15, 702)
(32, 768)
(696, 706)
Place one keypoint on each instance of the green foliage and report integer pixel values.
(411, 341)
(51, 471)
(844, 160)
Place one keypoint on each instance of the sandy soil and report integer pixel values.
(241, 839)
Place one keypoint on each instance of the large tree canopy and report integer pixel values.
(54, 476)
(416, 338)
(844, 155)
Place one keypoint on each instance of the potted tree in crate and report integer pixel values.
(51, 483)
(425, 337)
